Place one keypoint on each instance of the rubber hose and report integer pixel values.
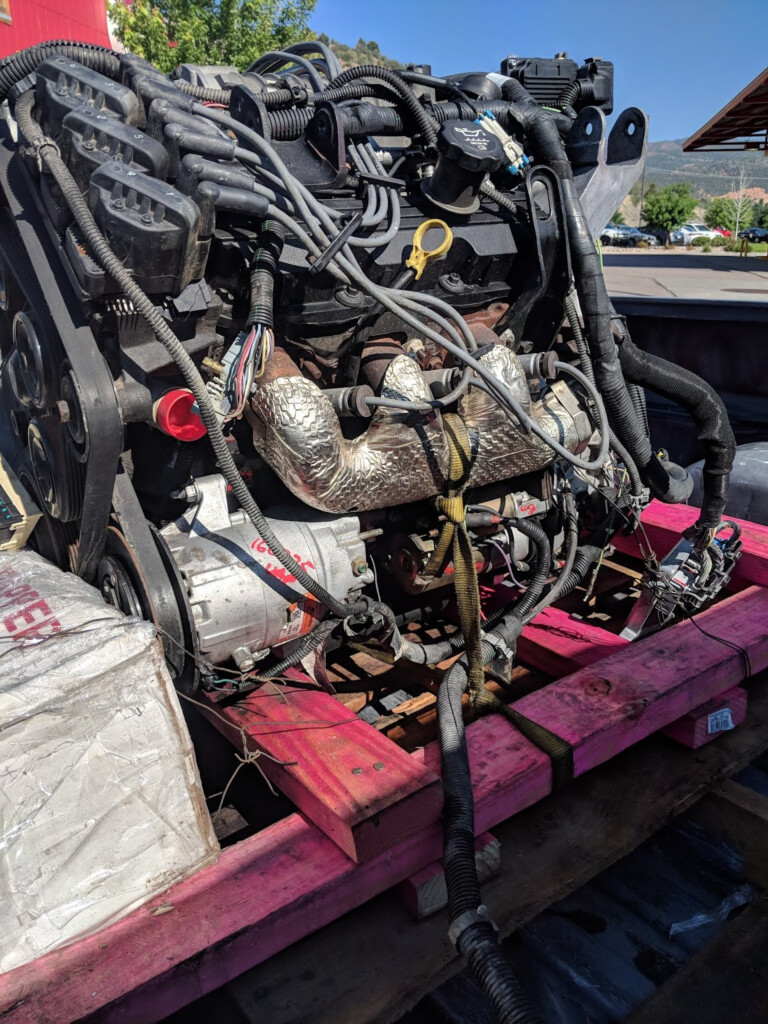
(706, 409)
(588, 369)
(306, 646)
(500, 198)
(263, 272)
(276, 59)
(99, 250)
(25, 62)
(373, 120)
(670, 484)
(478, 942)
(531, 529)
(424, 123)
(637, 394)
(433, 654)
(202, 93)
(276, 98)
(333, 64)
(288, 124)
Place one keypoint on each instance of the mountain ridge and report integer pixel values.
(710, 174)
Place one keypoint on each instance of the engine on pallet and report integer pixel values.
(292, 356)
(295, 357)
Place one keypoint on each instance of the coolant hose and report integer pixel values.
(473, 934)
(16, 67)
(707, 411)
(670, 484)
(99, 250)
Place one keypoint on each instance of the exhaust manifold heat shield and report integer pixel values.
(297, 432)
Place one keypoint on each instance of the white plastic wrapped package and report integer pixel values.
(101, 806)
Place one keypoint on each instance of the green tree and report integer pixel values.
(669, 207)
(618, 218)
(171, 32)
(760, 214)
(724, 211)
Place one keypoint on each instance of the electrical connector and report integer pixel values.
(517, 161)
(222, 388)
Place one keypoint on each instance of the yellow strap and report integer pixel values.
(419, 256)
(455, 540)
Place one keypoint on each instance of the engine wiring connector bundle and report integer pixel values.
(517, 161)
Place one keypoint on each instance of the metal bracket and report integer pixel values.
(605, 167)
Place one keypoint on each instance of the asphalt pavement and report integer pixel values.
(653, 274)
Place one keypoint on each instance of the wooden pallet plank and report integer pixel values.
(664, 525)
(278, 886)
(375, 964)
(603, 709)
(738, 816)
(424, 893)
(723, 982)
(706, 722)
(558, 644)
(359, 788)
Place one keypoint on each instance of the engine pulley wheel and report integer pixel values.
(11, 299)
(76, 425)
(6, 330)
(51, 539)
(116, 586)
(58, 474)
(12, 372)
(163, 601)
(185, 665)
(34, 367)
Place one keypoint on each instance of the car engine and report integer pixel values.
(288, 351)
(295, 357)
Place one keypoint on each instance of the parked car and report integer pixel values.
(755, 234)
(614, 234)
(686, 234)
(636, 235)
(723, 231)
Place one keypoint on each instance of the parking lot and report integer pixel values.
(686, 275)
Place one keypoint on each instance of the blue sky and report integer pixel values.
(680, 60)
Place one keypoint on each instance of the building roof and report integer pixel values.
(741, 124)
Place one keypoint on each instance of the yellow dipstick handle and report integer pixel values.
(420, 257)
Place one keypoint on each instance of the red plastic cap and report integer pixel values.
(174, 416)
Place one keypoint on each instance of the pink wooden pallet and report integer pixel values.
(368, 814)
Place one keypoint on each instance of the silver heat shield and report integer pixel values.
(297, 432)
